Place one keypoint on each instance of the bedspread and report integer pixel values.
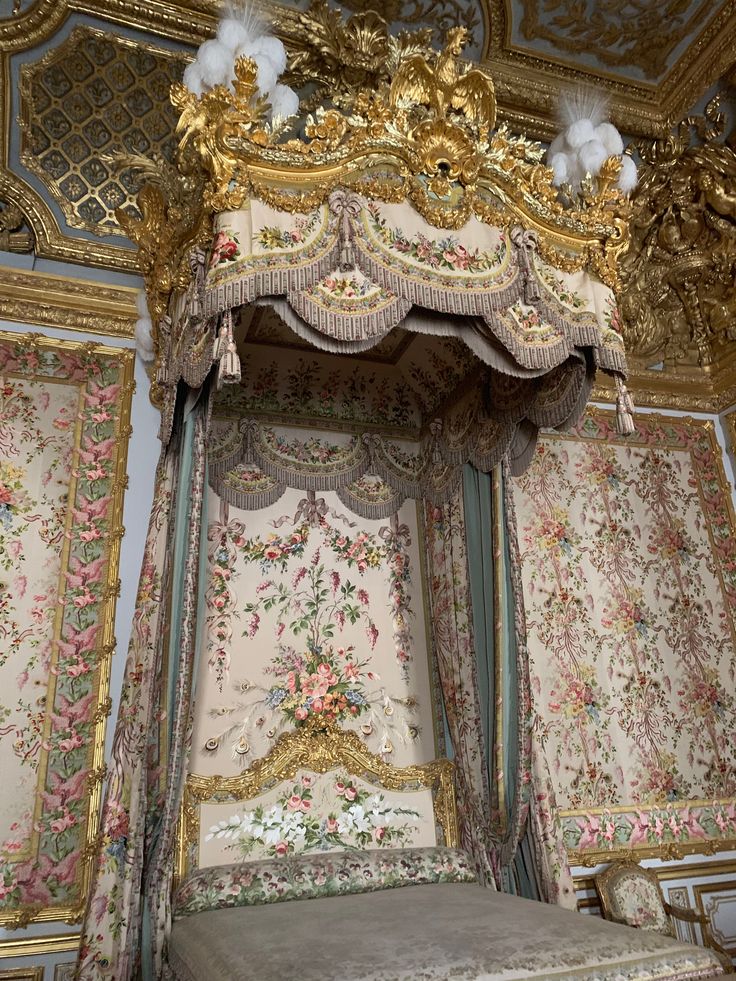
(457, 932)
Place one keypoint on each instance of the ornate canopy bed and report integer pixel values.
(360, 322)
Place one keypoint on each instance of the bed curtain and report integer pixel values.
(128, 914)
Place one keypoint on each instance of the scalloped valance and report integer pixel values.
(346, 274)
(399, 209)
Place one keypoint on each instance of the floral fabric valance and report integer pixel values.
(345, 275)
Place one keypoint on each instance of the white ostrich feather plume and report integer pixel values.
(242, 31)
(587, 140)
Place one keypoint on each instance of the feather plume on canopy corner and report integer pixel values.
(587, 140)
(243, 32)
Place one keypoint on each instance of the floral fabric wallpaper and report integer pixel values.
(312, 610)
(64, 417)
(628, 560)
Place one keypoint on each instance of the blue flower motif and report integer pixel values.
(355, 698)
(275, 697)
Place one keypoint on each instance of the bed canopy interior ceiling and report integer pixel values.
(394, 225)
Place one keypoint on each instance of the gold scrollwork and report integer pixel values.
(429, 122)
(13, 237)
(318, 746)
(678, 302)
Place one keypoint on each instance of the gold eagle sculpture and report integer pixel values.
(447, 84)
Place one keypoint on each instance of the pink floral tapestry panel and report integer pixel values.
(64, 421)
(629, 571)
(312, 610)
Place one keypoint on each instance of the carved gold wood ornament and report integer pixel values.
(679, 300)
(424, 135)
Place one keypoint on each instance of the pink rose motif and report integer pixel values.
(67, 820)
(340, 788)
(301, 713)
(331, 826)
(317, 705)
(306, 805)
(350, 793)
(74, 741)
(294, 803)
(307, 781)
(379, 834)
(281, 848)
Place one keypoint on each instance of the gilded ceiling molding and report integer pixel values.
(616, 39)
(83, 100)
(529, 82)
(51, 243)
(72, 304)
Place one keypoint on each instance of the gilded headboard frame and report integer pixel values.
(318, 746)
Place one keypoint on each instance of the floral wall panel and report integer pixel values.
(312, 610)
(64, 424)
(629, 570)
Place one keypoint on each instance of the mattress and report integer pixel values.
(453, 931)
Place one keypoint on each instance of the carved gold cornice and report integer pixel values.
(687, 389)
(72, 304)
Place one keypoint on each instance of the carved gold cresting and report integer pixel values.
(318, 746)
(402, 122)
(678, 300)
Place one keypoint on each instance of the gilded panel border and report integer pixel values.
(22, 974)
(71, 748)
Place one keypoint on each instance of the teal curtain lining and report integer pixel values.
(182, 523)
(478, 506)
(487, 537)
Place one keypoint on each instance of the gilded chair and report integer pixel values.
(632, 895)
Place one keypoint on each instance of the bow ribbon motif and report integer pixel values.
(526, 242)
(312, 511)
(396, 538)
(346, 206)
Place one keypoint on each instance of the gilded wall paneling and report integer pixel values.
(66, 412)
(718, 901)
(680, 896)
(31, 946)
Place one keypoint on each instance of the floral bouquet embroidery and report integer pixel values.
(356, 818)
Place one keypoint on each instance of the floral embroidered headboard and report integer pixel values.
(318, 790)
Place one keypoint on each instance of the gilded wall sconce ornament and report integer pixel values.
(13, 236)
(679, 300)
